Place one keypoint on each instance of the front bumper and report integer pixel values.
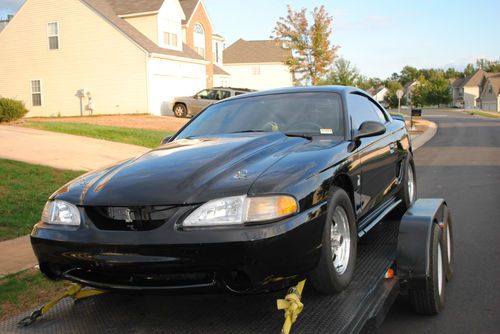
(241, 259)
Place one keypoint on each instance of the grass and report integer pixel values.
(26, 290)
(24, 189)
(482, 113)
(141, 137)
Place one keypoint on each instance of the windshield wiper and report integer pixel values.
(243, 131)
(298, 135)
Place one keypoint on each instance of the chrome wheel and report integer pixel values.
(411, 185)
(179, 110)
(440, 270)
(448, 244)
(340, 240)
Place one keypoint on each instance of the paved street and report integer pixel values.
(462, 164)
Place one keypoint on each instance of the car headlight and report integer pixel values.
(241, 209)
(59, 212)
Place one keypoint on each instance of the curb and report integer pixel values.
(430, 131)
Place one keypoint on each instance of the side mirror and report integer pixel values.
(165, 140)
(368, 129)
(398, 117)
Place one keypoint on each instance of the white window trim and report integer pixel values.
(32, 92)
(58, 36)
(204, 40)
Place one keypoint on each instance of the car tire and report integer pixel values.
(180, 110)
(449, 247)
(338, 255)
(429, 299)
(408, 192)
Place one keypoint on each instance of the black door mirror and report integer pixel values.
(165, 140)
(368, 129)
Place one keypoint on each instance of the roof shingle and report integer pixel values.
(124, 7)
(264, 51)
(188, 7)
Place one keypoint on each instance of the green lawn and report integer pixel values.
(24, 189)
(482, 113)
(26, 290)
(141, 137)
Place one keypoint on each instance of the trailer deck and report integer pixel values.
(360, 308)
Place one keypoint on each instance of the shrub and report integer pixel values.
(11, 109)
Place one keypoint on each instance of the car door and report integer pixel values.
(202, 100)
(376, 155)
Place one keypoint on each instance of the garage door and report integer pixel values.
(164, 88)
(489, 106)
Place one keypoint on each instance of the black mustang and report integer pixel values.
(253, 194)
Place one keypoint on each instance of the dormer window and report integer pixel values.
(171, 36)
(199, 39)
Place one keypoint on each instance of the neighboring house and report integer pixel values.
(408, 90)
(378, 93)
(257, 64)
(3, 23)
(465, 91)
(127, 56)
(490, 93)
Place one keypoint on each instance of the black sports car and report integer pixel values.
(254, 193)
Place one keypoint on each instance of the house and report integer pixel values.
(257, 64)
(490, 93)
(408, 90)
(378, 93)
(120, 56)
(465, 91)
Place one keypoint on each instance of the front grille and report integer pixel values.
(130, 218)
(141, 280)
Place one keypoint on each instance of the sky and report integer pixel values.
(378, 37)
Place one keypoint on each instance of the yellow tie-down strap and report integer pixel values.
(75, 291)
(292, 306)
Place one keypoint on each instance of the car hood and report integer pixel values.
(185, 171)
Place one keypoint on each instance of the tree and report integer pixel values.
(391, 98)
(488, 65)
(452, 73)
(469, 70)
(312, 52)
(408, 74)
(342, 73)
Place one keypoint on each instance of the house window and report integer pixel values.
(36, 93)
(199, 40)
(171, 36)
(256, 70)
(53, 33)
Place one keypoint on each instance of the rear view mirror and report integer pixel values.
(368, 129)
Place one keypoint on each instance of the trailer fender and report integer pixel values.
(415, 231)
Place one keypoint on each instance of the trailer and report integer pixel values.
(410, 255)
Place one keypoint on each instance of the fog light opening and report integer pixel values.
(237, 281)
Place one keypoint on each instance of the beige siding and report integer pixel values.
(148, 25)
(470, 96)
(93, 55)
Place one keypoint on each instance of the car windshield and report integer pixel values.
(308, 113)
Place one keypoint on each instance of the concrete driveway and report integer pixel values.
(61, 150)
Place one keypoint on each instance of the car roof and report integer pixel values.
(335, 89)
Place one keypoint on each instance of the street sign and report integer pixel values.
(399, 93)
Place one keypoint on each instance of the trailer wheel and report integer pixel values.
(448, 242)
(339, 246)
(429, 299)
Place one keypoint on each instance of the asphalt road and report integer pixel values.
(462, 164)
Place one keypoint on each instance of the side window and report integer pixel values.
(223, 94)
(379, 112)
(203, 94)
(361, 109)
(212, 94)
